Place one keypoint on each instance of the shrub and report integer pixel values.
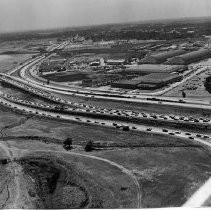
(67, 144)
(89, 146)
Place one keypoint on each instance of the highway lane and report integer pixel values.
(95, 112)
(77, 109)
(203, 139)
(202, 105)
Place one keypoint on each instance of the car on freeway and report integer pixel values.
(178, 132)
(125, 128)
(206, 137)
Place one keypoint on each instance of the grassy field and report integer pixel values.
(8, 62)
(168, 169)
(168, 176)
(65, 180)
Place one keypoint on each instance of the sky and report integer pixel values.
(18, 15)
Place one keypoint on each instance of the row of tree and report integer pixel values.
(68, 145)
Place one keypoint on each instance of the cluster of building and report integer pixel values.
(161, 69)
(148, 82)
(177, 57)
(151, 68)
(161, 57)
(190, 57)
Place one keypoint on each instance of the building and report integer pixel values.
(207, 84)
(148, 82)
(115, 62)
(126, 84)
(157, 68)
(161, 57)
(101, 80)
(157, 80)
(190, 57)
(95, 63)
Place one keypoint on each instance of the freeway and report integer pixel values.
(78, 109)
(126, 126)
(196, 104)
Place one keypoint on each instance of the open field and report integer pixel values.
(168, 169)
(8, 62)
(167, 175)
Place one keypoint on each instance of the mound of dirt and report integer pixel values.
(55, 184)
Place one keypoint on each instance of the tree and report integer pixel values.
(183, 94)
(67, 144)
(89, 146)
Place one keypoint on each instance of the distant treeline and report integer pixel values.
(142, 31)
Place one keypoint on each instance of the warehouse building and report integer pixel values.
(115, 62)
(148, 82)
(191, 57)
(161, 57)
(126, 84)
(157, 80)
(157, 68)
(207, 84)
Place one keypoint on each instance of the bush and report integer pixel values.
(89, 146)
(67, 144)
